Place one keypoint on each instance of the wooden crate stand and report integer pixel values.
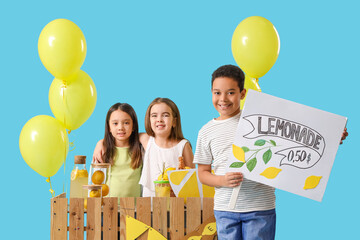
(172, 223)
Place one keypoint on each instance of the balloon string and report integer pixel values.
(64, 172)
(51, 190)
(64, 104)
(257, 80)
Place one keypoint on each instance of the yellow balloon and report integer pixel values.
(255, 46)
(62, 48)
(44, 144)
(73, 100)
(250, 83)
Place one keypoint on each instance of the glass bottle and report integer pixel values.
(79, 177)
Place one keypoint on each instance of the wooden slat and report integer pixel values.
(61, 195)
(76, 219)
(110, 218)
(127, 207)
(208, 208)
(93, 219)
(176, 218)
(160, 215)
(143, 213)
(58, 230)
(193, 213)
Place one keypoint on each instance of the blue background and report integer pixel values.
(144, 49)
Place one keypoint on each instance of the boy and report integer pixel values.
(254, 213)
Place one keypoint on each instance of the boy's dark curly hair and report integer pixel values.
(230, 71)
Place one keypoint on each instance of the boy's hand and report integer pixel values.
(232, 179)
(344, 135)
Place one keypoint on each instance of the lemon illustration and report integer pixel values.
(271, 172)
(209, 229)
(312, 181)
(238, 153)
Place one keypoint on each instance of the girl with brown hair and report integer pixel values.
(121, 147)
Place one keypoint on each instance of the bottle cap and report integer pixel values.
(80, 159)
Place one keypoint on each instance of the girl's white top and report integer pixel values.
(154, 160)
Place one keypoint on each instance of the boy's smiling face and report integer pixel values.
(226, 97)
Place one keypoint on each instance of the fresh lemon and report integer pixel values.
(163, 177)
(104, 189)
(170, 169)
(98, 177)
(95, 193)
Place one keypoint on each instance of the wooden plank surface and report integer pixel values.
(93, 219)
(58, 219)
(159, 216)
(193, 213)
(110, 218)
(76, 219)
(143, 213)
(176, 218)
(208, 208)
(127, 207)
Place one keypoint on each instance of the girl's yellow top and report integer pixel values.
(124, 180)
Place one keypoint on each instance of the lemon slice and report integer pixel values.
(74, 175)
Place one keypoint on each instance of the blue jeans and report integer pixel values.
(259, 225)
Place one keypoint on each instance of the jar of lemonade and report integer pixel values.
(79, 177)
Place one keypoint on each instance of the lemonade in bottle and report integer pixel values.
(79, 177)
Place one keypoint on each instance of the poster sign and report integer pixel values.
(286, 145)
(186, 183)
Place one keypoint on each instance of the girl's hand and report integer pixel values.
(98, 152)
(344, 135)
(232, 179)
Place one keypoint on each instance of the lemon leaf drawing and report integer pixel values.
(209, 229)
(260, 142)
(267, 156)
(273, 142)
(246, 149)
(238, 153)
(312, 182)
(237, 164)
(271, 172)
(251, 164)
